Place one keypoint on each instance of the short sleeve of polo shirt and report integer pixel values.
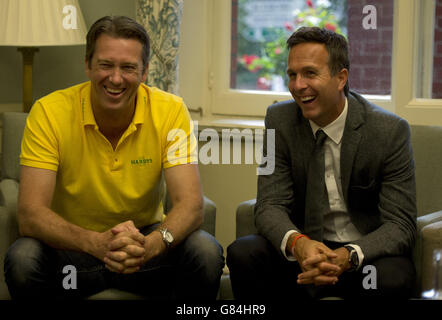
(181, 146)
(39, 148)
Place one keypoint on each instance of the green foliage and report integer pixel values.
(270, 59)
(317, 16)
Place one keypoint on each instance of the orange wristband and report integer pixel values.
(296, 239)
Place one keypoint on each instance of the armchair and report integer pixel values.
(13, 126)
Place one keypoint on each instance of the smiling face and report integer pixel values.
(116, 71)
(319, 94)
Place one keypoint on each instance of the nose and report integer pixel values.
(116, 77)
(298, 83)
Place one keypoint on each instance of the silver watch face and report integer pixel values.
(167, 236)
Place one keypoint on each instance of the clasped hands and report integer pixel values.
(125, 249)
(319, 264)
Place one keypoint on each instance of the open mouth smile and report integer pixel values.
(307, 99)
(115, 93)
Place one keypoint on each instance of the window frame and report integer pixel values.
(418, 111)
(424, 69)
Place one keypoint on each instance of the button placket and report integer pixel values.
(114, 161)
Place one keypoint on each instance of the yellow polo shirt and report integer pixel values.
(98, 187)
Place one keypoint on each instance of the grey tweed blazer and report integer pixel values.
(377, 177)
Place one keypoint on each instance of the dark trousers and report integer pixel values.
(189, 271)
(259, 272)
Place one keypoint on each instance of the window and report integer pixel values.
(260, 29)
(398, 60)
(258, 54)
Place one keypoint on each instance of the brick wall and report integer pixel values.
(437, 62)
(370, 50)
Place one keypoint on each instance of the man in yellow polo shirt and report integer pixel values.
(90, 193)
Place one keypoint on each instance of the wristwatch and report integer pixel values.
(353, 258)
(167, 236)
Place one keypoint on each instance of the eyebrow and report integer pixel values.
(124, 63)
(306, 68)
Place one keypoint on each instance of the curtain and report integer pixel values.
(162, 19)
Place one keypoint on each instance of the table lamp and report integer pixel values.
(29, 24)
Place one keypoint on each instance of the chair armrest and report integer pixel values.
(8, 229)
(209, 213)
(422, 221)
(8, 234)
(431, 240)
(209, 216)
(245, 219)
(9, 193)
(418, 254)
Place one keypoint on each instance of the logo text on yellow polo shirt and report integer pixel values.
(141, 161)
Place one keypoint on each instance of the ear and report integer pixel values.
(342, 77)
(144, 76)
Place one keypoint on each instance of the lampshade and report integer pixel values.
(36, 23)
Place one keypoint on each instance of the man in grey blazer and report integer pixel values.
(348, 228)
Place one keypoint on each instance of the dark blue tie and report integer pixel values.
(316, 199)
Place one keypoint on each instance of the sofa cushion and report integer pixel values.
(426, 143)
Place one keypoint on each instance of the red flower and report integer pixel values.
(310, 3)
(288, 26)
(278, 50)
(330, 26)
(249, 59)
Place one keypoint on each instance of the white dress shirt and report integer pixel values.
(337, 223)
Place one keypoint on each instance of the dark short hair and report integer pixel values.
(336, 45)
(118, 27)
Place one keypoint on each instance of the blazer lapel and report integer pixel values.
(350, 141)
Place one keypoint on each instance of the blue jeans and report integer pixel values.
(189, 271)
